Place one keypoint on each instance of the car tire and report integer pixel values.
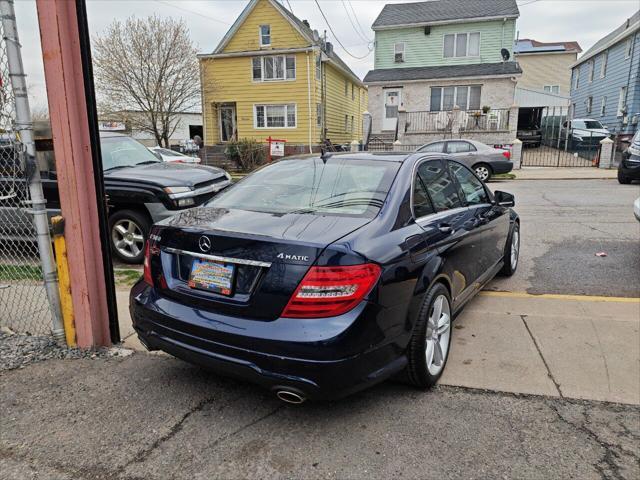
(483, 171)
(424, 368)
(622, 179)
(128, 232)
(511, 257)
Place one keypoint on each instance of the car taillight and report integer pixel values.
(331, 291)
(506, 154)
(146, 275)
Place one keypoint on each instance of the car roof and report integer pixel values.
(389, 156)
(472, 142)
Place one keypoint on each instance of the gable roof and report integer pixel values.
(443, 11)
(631, 24)
(298, 24)
(440, 72)
(527, 45)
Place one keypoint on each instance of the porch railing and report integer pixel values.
(465, 120)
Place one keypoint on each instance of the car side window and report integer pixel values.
(422, 205)
(459, 147)
(472, 188)
(432, 147)
(440, 186)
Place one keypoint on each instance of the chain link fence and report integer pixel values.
(24, 307)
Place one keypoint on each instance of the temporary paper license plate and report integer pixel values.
(212, 276)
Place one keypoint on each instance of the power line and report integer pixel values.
(336, 37)
(358, 21)
(194, 13)
(355, 29)
(289, 3)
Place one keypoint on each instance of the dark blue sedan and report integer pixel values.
(319, 276)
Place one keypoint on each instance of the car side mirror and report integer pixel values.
(504, 199)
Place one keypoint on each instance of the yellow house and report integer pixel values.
(272, 76)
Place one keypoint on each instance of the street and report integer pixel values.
(537, 386)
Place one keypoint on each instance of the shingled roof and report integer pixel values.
(443, 11)
(443, 71)
(528, 45)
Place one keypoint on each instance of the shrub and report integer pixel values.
(247, 154)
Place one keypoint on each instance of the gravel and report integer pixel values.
(18, 351)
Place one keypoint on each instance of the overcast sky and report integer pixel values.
(546, 20)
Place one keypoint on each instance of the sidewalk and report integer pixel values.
(564, 173)
(559, 346)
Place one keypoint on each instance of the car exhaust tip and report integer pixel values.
(290, 397)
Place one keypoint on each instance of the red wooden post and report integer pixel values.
(59, 36)
(269, 150)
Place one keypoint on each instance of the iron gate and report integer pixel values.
(563, 143)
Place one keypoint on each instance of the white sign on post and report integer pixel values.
(277, 148)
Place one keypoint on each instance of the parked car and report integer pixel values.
(482, 159)
(583, 132)
(316, 277)
(529, 126)
(140, 190)
(167, 155)
(636, 209)
(629, 166)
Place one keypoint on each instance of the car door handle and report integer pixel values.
(445, 228)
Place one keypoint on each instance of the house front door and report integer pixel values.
(392, 100)
(227, 122)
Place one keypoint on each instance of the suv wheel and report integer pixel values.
(511, 252)
(624, 180)
(128, 232)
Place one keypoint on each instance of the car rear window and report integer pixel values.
(341, 186)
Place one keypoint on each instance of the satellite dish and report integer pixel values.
(505, 54)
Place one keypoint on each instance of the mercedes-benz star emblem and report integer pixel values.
(204, 243)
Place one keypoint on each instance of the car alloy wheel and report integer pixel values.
(438, 332)
(515, 248)
(127, 238)
(482, 172)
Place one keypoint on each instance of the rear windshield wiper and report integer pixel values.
(147, 162)
(117, 167)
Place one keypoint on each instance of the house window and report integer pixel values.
(603, 106)
(274, 116)
(353, 92)
(265, 35)
(467, 97)
(352, 123)
(589, 104)
(552, 89)
(346, 88)
(627, 48)
(398, 52)
(346, 123)
(461, 45)
(591, 68)
(273, 68)
(603, 65)
(576, 77)
(621, 101)
(318, 114)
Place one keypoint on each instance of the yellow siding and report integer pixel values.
(338, 105)
(541, 69)
(229, 80)
(283, 34)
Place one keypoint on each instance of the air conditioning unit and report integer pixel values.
(399, 57)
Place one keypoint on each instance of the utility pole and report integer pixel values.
(37, 201)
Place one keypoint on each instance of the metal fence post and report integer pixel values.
(25, 129)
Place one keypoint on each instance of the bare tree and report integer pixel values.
(147, 73)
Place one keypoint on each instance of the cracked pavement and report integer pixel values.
(151, 417)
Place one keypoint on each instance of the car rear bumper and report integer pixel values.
(307, 363)
(630, 169)
(501, 166)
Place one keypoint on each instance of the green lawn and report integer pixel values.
(20, 272)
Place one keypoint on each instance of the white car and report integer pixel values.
(584, 132)
(170, 156)
(636, 208)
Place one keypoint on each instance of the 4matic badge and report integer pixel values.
(299, 258)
